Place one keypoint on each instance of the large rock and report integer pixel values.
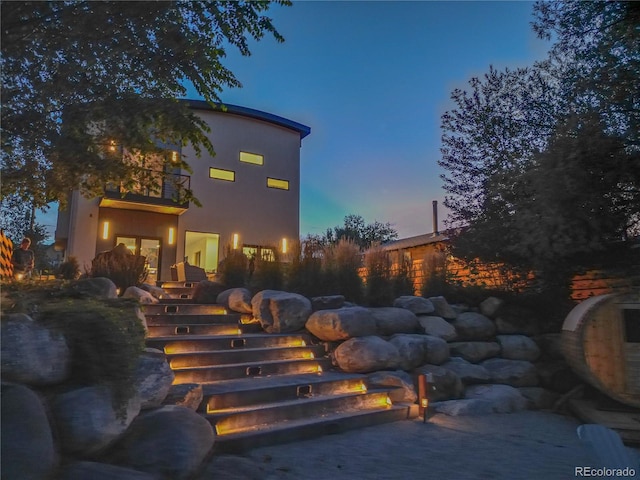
(403, 390)
(391, 320)
(474, 352)
(102, 471)
(417, 305)
(342, 323)
(31, 353)
(281, 312)
(207, 291)
(485, 399)
(436, 350)
(327, 302)
(100, 287)
(236, 299)
(170, 442)
(474, 326)
(445, 384)
(140, 295)
(539, 398)
(550, 345)
(153, 378)
(27, 448)
(437, 327)
(188, 395)
(469, 373)
(513, 319)
(157, 292)
(490, 306)
(367, 354)
(412, 350)
(88, 421)
(442, 308)
(518, 347)
(517, 373)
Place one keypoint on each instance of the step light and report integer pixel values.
(188, 285)
(238, 343)
(184, 295)
(182, 330)
(171, 309)
(254, 371)
(304, 391)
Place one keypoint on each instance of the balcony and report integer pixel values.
(165, 199)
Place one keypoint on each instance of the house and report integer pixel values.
(249, 191)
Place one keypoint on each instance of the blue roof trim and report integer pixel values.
(303, 130)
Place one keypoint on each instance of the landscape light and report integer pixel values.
(423, 394)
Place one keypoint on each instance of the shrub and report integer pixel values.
(434, 271)
(402, 278)
(379, 285)
(69, 269)
(233, 268)
(121, 267)
(304, 275)
(341, 264)
(268, 273)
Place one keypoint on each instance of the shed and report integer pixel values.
(601, 342)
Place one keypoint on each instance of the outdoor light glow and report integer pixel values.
(389, 401)
(105, 230)
(172, 232)
(284, 245)
(112, 145)
(236, 239)
(174, 156)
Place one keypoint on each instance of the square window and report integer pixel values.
(252, 158)
(277, 183)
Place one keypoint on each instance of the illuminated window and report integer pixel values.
(277, 183)
(253, 158)
(220, 174)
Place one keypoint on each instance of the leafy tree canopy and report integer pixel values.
(79, 78)
(543, 163)
(364, 235)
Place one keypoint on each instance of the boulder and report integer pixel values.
(417, 305)
(442, 308)
(514, 319)
(327, 302)
(473, 326)
(490, 306)
(342, 323)
(188, 395)
(474, 352)
(539, 398)
(170, 442)
(391, 320)
(236, 299)
(412, 350)
(27, 449)
(100, 287)
(153, 378)
(31, 353)
(403, 390)
(517, 373)
(444, 385)
(102, 471)
(468, 372)
(141, 295)
(88, 421)
(207, 291)
(550, 345)
(367, 354)
(483, 400)
(437, 327)
(518, 347)
(436, 350)
(281, 312)
(157, 292)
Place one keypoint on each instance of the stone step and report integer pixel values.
(201, 343)
(185, 308)
(244, 355)
(174, 284)
(226, 372)
(197, 329)
(249, 391)
(305, 428)
(192, 319)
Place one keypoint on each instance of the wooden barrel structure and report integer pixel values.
(601, 342)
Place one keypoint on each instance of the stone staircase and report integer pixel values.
(260, 388)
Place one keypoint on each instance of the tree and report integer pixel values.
(544, 163)
(364, 235)
(89, 89)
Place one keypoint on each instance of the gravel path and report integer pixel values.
(527, 445)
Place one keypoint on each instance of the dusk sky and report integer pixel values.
(371, 79)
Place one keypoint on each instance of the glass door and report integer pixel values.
(149, 248)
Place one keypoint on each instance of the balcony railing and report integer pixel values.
(167, 197)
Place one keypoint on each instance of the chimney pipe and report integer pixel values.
(435, 217)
